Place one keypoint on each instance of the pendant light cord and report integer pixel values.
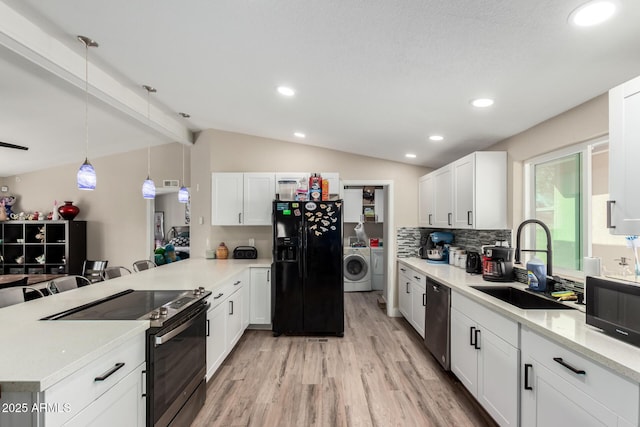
(86, 100)
(148, 146)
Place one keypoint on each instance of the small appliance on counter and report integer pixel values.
(497, 264)
(245, 252)
(474, 263)
(435, 248)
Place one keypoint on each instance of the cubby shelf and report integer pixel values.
(63, 244)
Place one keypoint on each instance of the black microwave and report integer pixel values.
(614, 307)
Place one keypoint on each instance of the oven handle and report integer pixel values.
(161, 339)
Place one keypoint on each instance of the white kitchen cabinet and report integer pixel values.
(442, 198)
(225, 320)
(234, 317)
(468, 193)
(216, 332)
(377, 269)
(352, 207)
(485, 357)
(480, 191)
(117, 400)
(560, 387)
(242, 198)
(260, 299)
(404, 291)
(123, 405)
(624, 152)
(425, 200)
(412, 297)
(379, 204)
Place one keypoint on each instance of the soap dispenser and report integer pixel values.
(537, 275)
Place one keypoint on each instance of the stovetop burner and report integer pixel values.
(156, 306)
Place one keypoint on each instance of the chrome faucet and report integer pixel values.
(548, 251)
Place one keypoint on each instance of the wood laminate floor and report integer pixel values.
(378, 374)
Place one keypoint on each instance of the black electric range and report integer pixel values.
(159, 307)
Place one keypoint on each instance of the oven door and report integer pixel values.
(177, 366)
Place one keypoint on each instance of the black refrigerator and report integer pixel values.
(308, 281)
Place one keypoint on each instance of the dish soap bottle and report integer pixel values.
(537, 275)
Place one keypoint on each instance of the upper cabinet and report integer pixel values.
(623, 216)
(363, 203)
(468, 193)
(242, 198)
(425, 200)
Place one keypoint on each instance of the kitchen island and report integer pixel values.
(37, 355)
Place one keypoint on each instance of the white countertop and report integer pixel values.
(567, 327)
(36, 354)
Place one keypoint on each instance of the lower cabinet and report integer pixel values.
(485, 357)
(260, 296)
(235, 326)
(560, 387)
(225, 320)
(412, 297)
(123, 405)
(216, 334)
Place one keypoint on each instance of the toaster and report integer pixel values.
(245, 252)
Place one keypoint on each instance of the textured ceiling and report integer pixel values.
(373, 77)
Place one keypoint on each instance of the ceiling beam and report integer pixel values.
(21, 36)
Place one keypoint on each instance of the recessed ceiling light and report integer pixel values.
(286, 91)
(592, 13)
(482, 102)
(436, 137)
(410, 156)
(299, 135)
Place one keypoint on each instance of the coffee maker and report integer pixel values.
(435, 247)
(497, 264)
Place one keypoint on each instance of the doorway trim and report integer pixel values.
(388, 236)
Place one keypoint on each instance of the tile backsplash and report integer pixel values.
(408, 239)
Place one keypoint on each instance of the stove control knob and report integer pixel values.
(201, 290)
(155, 315)
(164, 311)
(196, 291)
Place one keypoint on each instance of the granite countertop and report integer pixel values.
(566, 327)
(37, 354)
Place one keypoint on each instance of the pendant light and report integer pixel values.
(148, 187)
(86, 176)
(183, 193)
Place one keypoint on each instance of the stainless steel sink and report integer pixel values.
(526, 300)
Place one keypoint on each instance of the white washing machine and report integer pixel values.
(357, 269)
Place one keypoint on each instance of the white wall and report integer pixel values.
(233, 152)
(115, 211)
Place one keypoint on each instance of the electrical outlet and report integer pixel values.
(252, 242)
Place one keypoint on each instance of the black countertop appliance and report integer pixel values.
(308, 280)
(497, 264)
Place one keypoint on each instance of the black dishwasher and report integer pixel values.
(437, 328)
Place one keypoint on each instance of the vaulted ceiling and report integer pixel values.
(372, 77)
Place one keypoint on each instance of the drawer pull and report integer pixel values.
(424, 300)
(208, 327)
(237, 283)
(527, 366)
(471, 335)
(218, 296)
(417, 278)
(476, 344)
(569, 367)
(430, 219)
(109, 372)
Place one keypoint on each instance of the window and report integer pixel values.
(558, 203)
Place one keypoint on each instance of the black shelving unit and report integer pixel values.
(63, 244)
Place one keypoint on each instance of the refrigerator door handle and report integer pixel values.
(301, 266)
(303, 255)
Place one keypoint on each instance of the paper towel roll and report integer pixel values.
(591, 266)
